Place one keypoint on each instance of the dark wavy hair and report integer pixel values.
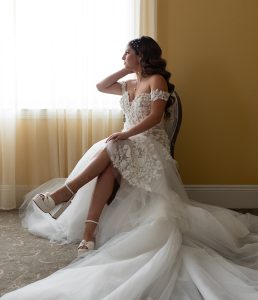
(151, 62)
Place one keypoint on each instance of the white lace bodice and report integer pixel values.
(139, 108)
(141, 158)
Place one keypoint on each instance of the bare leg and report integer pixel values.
(95, 168)
(101, 194)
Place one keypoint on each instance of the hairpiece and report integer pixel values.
(135, 44)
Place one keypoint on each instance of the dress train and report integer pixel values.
(153, 243)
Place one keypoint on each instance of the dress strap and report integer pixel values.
(158, 94)
(123, 86)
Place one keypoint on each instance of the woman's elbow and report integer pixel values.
(156, 119)
(99, 87)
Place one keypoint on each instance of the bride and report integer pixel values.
(151, 242)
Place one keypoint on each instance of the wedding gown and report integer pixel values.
(153, 243)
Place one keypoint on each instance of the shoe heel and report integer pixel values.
(58, 213)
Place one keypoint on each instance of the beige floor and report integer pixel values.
(25, 258)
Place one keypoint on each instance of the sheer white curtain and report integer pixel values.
(52, 54)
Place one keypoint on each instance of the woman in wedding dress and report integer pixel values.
(151, 242)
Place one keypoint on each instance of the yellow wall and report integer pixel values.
(212, 51)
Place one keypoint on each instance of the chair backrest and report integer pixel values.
(173, 123)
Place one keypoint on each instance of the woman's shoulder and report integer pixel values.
(130, 83)
(157, 81)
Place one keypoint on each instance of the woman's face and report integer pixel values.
(131, 60)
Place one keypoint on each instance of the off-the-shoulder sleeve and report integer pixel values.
(158, 94)
(123, 86)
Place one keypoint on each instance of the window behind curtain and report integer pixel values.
(53, 52)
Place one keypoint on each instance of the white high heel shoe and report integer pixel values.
(46, 203)
(84, 245)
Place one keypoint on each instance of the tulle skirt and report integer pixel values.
(151, 245)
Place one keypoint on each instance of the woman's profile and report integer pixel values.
(151, 242)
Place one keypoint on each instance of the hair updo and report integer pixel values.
(151, 62)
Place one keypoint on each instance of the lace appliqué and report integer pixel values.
(158, 94)
(137, 161)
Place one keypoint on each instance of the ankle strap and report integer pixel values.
(91, 221)
(69, 189)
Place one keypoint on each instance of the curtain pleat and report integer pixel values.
(148, 19)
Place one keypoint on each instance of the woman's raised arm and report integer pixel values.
(110, 84)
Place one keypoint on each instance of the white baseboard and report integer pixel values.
(11, 196)
(230, 196)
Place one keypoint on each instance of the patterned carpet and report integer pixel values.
(25, 258)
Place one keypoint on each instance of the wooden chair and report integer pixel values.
(173, 123)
